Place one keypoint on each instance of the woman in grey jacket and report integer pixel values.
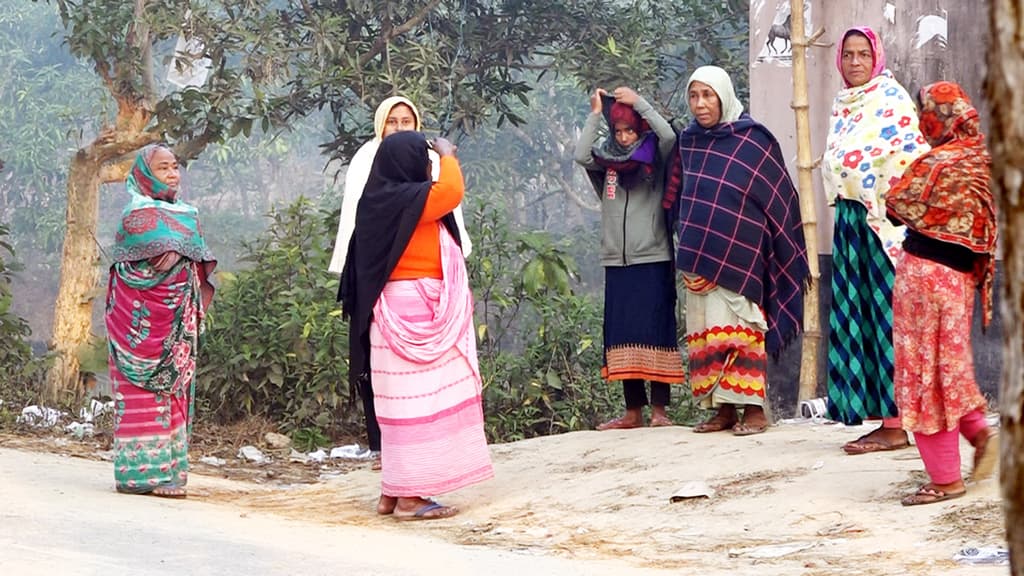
(627, 170)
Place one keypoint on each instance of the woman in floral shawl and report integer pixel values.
(157, 295)
(945, 202)
(874, 137)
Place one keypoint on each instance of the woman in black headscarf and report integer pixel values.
(406, 290)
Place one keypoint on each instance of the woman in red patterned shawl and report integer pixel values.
(945, 202)
(157, 297)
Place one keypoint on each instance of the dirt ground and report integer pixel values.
(788, 501)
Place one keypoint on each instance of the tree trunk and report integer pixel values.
(810, 349)
(1005, 78)
(78, 276)
(99, 162)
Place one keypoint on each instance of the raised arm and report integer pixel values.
(585, 143)
(447, 192)
(666, 135)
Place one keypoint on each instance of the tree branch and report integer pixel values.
(575, 196)
(116, 172)
(190, 149)
(145, 48)
(392, 33)
(111, 143)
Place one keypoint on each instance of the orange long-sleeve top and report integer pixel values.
(422, 256)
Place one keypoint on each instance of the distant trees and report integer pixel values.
(467, 63)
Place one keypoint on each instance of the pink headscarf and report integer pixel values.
(876, 49)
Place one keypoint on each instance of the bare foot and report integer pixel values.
(986, 454)
(422, 509)
(659, 417)
(633, 418)
(386, 504)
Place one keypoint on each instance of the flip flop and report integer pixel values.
(743, 429)
(864, 446)
(618, 424)
(421, 513)
(926, 495)
(660, 422)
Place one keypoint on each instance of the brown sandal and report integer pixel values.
(929, 495)
(864, 444)
(744, 429)
(716, 423)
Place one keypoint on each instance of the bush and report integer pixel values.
(275, 345)
(540, 344)
(277, 348)
(21, 375)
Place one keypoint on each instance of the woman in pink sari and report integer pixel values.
(156, 299)
(407, 294)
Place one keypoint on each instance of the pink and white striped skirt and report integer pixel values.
(426, 386)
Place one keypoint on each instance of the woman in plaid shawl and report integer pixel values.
(741, 251)
(946, 204)
(874, 138)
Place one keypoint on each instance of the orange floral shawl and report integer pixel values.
(945, 193)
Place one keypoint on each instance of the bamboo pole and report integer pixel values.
(811, 347)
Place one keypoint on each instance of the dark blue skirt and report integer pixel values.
(640, 340)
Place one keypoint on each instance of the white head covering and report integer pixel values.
(359, 171)
(721, 83)
(380, 117)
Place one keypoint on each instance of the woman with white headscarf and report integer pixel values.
(394, 114)
(741, 251)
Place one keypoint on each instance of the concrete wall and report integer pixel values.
(925, 41)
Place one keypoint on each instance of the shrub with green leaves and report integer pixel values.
(275, 344)
(20, 373)
(540, 343)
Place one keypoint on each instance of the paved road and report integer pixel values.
(60, 516)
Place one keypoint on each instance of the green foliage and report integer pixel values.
(46, 99)
(654, 46)
(512, 75)
(275, 345)
(540, 344)
(309, 439)
(20, 373)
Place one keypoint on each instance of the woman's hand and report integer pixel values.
(165, 261)
(596, 106)
(626, 96)
(443, 146)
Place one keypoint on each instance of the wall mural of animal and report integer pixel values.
(780, 31)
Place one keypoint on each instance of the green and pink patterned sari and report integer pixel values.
(153, 322)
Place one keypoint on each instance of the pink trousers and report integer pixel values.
(941, 451)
